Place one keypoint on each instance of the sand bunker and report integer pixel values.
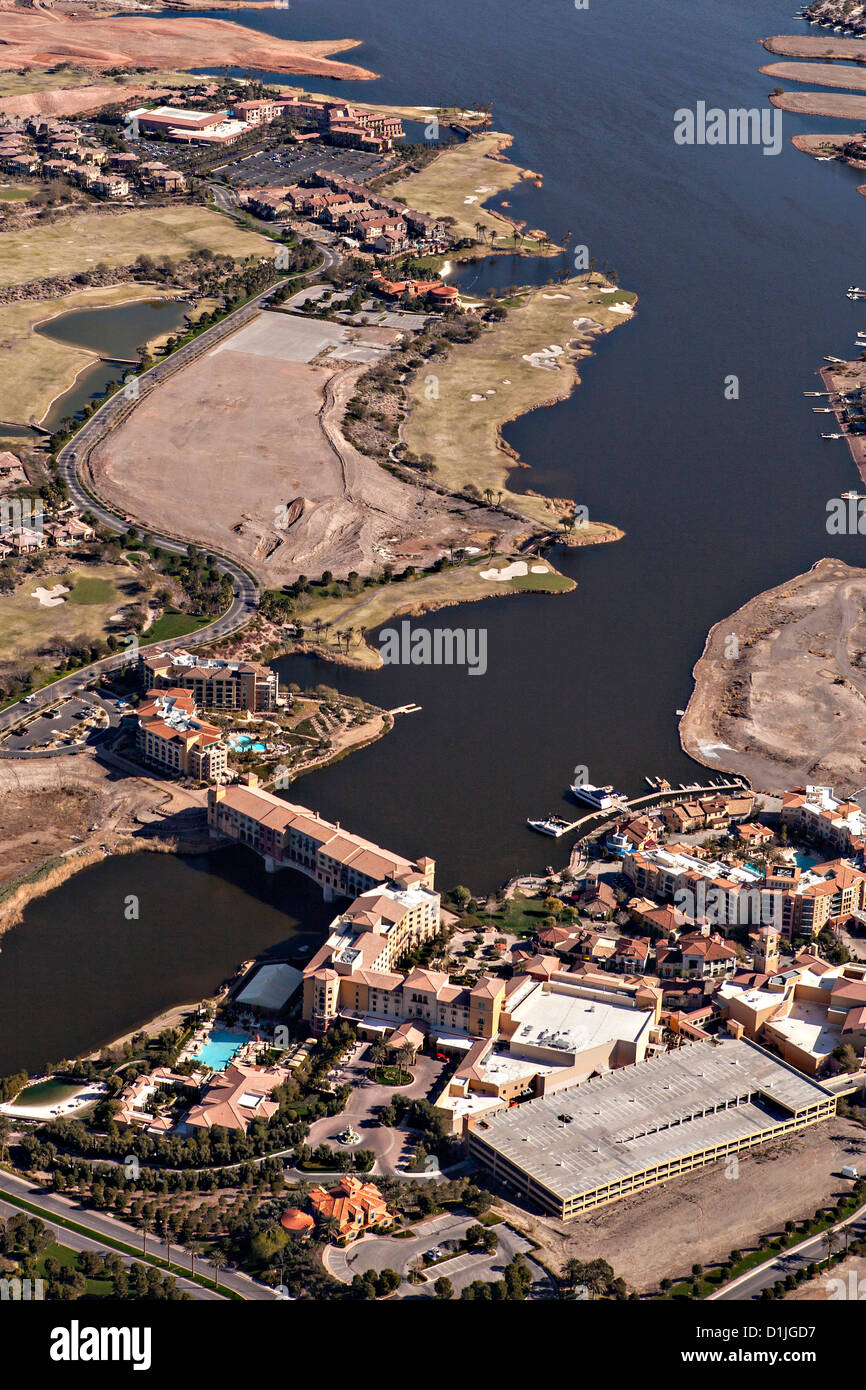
(516, 570)
(620, 308)
(50, 598)
(544, 357)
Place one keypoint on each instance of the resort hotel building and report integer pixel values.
(291, 837)
(215, 684)
(172, 738)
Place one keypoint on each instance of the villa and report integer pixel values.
(235, 1097)
(355, 1206)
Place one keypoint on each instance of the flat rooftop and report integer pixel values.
(646, 1115)
(547, 1018)
(806, 1027)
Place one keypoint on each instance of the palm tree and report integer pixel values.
(146, 1227)
(217, 1259)
(831, 1239)
(331, 1229)
(405, 1057)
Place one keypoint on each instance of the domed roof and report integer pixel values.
(296, 1220)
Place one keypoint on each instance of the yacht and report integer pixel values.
(551, 825)
(601, 798)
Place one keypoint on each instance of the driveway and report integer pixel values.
(392, 1147)
(389, 1252)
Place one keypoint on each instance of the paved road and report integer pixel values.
(51, 1204)
(246, 592)
(814, 1249)
(73, 1241)
(443, 1232)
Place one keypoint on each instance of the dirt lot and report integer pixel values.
(788, 705)
(699, 1219)
(48, 801)
(42, 38)
(270, 478)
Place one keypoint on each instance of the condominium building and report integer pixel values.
(214, 684)
(291, 837)
(725, 894)
(172, 737)
(814, 812)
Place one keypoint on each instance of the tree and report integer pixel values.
(218, 1260)
(443, 1288)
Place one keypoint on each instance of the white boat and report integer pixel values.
(551, 825)
(832, 436)
(601, 798)
(838, 360)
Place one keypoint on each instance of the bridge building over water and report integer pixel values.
(292, 837)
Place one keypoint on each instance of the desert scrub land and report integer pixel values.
(460, 180)
(335, 626)
(38, 368)
(80, 243)
(525, 360)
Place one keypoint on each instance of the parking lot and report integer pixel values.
(291, 163)
(44, 729)
(440, 1234)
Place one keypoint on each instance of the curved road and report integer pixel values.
(246, 592)
(101, 1225)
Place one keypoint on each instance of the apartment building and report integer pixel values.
(725, 894)
(814, 812)
(291, 837)
(804, 1012)
(173, 739)
(817, 898)
(244, 685)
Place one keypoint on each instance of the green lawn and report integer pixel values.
(80, 243)
(520, 915)
(173, 625)
(96, 1288)
(16, 192)
(92, 591)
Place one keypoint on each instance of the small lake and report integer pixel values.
(77, 972)
(116, 332)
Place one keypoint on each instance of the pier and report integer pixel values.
(657, 797)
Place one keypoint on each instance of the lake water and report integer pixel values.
(740, 262)
(116, 332)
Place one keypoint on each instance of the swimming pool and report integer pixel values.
(242, 743)
(220, 1048)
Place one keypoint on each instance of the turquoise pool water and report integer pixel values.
(220, 1048)
(243, 743)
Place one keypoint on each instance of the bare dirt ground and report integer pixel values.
(74, 101)
(699, 1219)
(43, 38)
(852, 1272)
(813, 46)
(266, 474)
(845, 105)
(47, 802)
(785, 702)
(822, 74)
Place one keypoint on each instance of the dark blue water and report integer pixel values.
(740, 262)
